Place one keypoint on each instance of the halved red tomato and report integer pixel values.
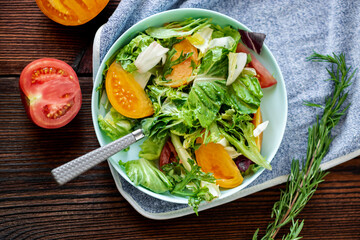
(50, 92)
(265, 77)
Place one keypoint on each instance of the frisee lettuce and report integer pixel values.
(131, 51)
(115, 125)
(193, 183)
(239, 132)
(178, 29)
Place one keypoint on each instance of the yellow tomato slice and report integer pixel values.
(257, 119)
(213, 158)
(71, 12)
(182, 71)
(125, 94)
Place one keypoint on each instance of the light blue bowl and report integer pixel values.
(273, 104)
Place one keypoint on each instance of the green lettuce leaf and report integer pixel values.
(244, 94)
(227, 31)
(151, 148)
(178, 29)
(209, 88)
(143, 172)
(170, 117)
(239, 133)
(205, 100)
(131, 51)
(116, 125)
(214, 64)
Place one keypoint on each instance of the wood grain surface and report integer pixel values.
(32, 206)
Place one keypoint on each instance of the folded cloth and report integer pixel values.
(294, 29)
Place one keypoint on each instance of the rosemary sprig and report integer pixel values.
(302, 182)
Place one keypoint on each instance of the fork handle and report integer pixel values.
(74, 168)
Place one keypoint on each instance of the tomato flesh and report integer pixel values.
(264, 76)
(213, 158)
(71, 12)
(125, 94)
(50, 92)
(257, 120)
(182, 71)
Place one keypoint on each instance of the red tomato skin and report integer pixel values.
(26, 92)
(265, 78)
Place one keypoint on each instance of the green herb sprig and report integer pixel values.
(303, 182)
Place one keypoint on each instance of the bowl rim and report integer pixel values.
(114, 48)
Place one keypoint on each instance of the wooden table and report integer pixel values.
(32, 206)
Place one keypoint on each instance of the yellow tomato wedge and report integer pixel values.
(71, 12)
(182, 71)
(257, 119)
(213, 158)
(125, 94)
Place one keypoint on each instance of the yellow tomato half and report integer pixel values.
(257, 119)
(125, 94)
(213, 158)
(71, 12)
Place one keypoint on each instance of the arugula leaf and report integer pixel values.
(170, 63)
(143, 172)
(131, 51)
(178, 29)
(169, 42)
(189, 183)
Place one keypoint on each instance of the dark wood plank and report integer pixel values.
(33, 206)
(27, 34)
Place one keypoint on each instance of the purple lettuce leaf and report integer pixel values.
(253, 40)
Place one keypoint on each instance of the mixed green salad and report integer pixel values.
(195, 90)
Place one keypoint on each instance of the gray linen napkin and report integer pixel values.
(294, 29)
